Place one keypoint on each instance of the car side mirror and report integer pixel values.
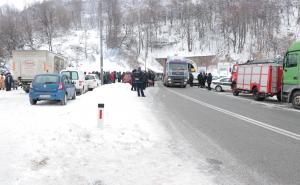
(73, 82)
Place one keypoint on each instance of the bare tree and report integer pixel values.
(47, 17)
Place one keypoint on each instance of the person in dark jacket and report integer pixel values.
(138, 77)
(191, 79)
(200, 80)
(204, 79)
(133, 84)
(209, 80)
(8, 81)
(145, 80)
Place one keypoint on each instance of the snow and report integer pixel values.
(51, 144)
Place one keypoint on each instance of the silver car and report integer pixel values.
(222, 84)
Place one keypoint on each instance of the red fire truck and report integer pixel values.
(262, 78)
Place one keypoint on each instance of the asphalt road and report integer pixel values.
(244, 141)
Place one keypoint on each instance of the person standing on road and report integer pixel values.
(200, 80)
(8, 81)
(133, 84)
(145, 80)
(209, 80)
(191, 79)
(138, 78)
(204, 79)
(2, 82)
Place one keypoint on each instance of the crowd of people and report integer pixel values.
(204, 78)
(138, 79)
(6, 82)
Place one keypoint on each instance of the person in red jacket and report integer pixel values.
(112, 77)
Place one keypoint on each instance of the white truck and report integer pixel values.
(26, 64)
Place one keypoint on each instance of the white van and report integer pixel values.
(79, 78)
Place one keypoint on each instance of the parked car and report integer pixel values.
(92, 81)
(222, 84)
(78, 77)
(54, 87)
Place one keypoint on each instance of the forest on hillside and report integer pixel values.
(139, 26)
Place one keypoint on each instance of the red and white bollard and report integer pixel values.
(100, 115)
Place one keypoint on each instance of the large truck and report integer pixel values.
(262, 78)
(291, 75)
(176, 72)
(27, 64)
(280, 79)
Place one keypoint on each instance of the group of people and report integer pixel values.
(113, 77)
(6, 82)
(202, 79)
(140, 80)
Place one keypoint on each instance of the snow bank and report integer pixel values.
(51, 144)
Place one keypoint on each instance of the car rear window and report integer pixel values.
(46, 79)
(89, 77)
(73, 75)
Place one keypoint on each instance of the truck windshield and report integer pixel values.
(46, 79)
(178, 66)
(72, 74)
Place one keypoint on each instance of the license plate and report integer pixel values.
(45, 96)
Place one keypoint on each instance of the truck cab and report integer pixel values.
(176, 72)
(291, 75)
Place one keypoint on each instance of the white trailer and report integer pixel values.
(27, 64)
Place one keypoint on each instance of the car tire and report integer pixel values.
(74, 96)
(32, 102)
(296, 100)
(64, 101)
(218, 88)
(80, 92)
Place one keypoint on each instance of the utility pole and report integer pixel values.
(101, 40)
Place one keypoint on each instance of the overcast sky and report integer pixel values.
(19, 4)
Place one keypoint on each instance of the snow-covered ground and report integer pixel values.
(51, 144)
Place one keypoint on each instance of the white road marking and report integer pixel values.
(286, 106)
(241, 117)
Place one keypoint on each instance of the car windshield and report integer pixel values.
(89, 77)
(178, 66)
(46, 79)
(73, 75)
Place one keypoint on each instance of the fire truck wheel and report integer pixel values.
(235, 93)
(296, 100)
(256, 95)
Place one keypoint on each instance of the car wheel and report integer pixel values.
(296, 100)
(32, 102)
(74, 96)
(64, 100)
(218, 88)
(80, 92)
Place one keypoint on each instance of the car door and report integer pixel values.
(66, 83)
(226, 84)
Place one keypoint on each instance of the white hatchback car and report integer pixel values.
(92, 81)
(222, 84)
